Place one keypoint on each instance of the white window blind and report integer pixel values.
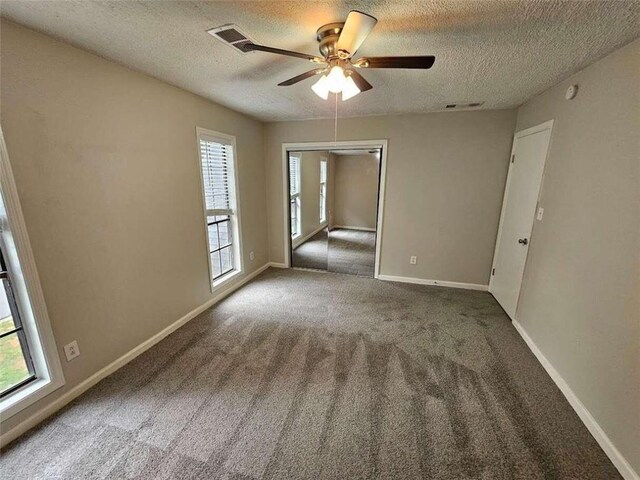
(294, 194)
(216, 169)
(323, 190)
(294, 175)
(218, 183)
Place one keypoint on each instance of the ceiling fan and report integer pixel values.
(339, 41)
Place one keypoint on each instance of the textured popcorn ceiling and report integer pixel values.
(499, 52)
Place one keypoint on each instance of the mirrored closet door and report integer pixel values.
(333, 202)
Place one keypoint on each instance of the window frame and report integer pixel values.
(234, 203)
(29, 298)
(323, 190)
(18, 328)
(296, 197)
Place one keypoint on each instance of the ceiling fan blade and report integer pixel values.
(360, 81)
(357, 27)
(302, 76)
(278, 51)
(423, 62)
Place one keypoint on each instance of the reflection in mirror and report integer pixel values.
(333, 200)
(351, 251)
(308, 176)
(313, 253)
(352, 237)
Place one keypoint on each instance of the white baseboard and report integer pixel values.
(437, 283)
(277, 265)
(299, 241)
(625, 469)
(347, 227)
(82, 387)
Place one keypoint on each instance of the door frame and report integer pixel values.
(548, 125)
(306, 146)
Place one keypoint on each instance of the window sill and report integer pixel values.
(31, 393)
(220, 282)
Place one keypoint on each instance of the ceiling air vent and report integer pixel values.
(461, 105)
(232, 36)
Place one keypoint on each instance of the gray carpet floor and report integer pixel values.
(314, 253)
(305, 375)
(352, 252)
(338, 251)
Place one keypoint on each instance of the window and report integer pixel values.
(220, 201)
(294, 194)
(16, 369)
(29, 362)
(323, 190)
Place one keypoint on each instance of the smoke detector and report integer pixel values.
(571, 92)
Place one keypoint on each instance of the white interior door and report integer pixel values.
(518, 211)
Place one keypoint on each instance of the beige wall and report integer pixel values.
(310, 192)
(445, 180)
(105, 162)
(356, 191)
(580, 300)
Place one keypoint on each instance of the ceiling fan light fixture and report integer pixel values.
(321, 87)
(336, 79)
(350, 89)
(339, 42)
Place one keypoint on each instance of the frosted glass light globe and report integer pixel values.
(321, 87)
(335, 79)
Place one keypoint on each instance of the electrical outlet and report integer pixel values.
(540, 213)
(252, 256)
(413, 260)
(71, 350)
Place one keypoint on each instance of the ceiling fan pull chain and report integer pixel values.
(335, 125)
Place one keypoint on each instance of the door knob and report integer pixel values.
(523, 241)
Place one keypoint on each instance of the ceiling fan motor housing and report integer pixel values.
(327, 35)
